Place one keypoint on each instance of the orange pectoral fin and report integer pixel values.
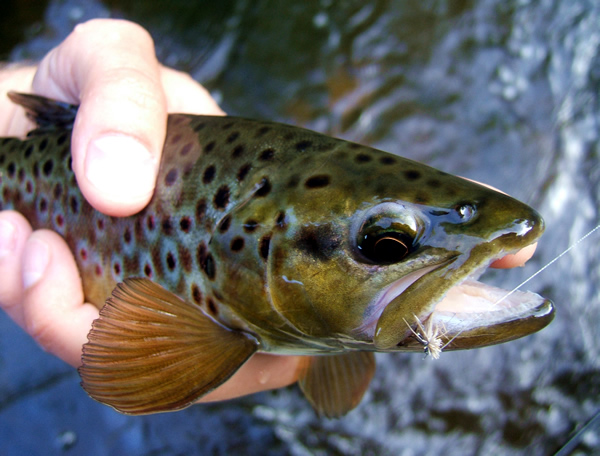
(151, 352)
(335, 384)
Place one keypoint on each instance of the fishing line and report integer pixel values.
(554, 260)
(559, 256)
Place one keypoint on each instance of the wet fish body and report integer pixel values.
(267, 237)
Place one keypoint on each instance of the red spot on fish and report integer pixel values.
(83, 254)
(98, 270)
(59, 220)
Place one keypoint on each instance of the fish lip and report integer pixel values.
(495, 315)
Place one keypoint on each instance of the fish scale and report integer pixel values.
(266, 237)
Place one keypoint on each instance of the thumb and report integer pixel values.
(111, 68)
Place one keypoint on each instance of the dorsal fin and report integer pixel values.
(49, 115)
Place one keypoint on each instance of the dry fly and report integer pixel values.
(429, 336)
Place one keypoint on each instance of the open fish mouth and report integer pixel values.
(470, 314)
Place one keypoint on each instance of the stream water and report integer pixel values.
(502, 91)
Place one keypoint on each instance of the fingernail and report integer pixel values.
(8, 238)
(35, 261)
(120, 166)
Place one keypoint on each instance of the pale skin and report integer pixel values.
(109, 67)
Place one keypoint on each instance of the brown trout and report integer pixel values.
(267, 237)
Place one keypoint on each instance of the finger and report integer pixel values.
(111, 67)
(14, 231)
(54, 313)
(516, 259)
(186, 95)
(263, 372)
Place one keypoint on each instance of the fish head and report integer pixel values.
(370, 251)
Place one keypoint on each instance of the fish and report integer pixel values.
(266, 237)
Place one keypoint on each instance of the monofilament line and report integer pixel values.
(589, 233)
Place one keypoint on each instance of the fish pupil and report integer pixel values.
(385, 247)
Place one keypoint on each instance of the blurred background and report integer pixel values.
(502, 91)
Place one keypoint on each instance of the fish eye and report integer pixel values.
(385, 247)
(387, 233)
(466, 211)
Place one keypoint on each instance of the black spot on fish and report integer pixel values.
(11, 170)
(209, 267)
(224, 224)
(318, 241)
(196, 295)
(387, 160)
(250, 225)
(175, 139)
(127, 236)
(48, 167)
(100, 224)
(209, 174)
(43, 144)
(186, 149)
(264, 189)
(227, 126)
(238, 151)
(184, 224)
(212, 307)
(150, 222)
(302, 146)
(221, 198)
(363, 158)
(267, 154)
(58, 189)
(21, 175)
(199, 126)
(232, 137)
(61, 139)
(263, 247)
(36, 170)
(200, 210)
(167, 227)
(171, 177)
(262, 131)
(354, 146)
(29, 187)
(280, 221)
(29, 151)
(74, 204)
(412, 174)
(209, 147)
(243, 171)
(148, 270)
(171, 263)
(237, 244)
(201, 254)
(43, 205)
(117, 269)
(185, 258)
(318, 181)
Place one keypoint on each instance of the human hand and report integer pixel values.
(108, 67)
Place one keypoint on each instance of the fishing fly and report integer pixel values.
(429, 336)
